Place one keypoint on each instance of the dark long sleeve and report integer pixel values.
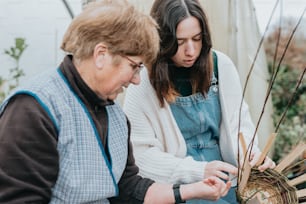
(132, 188)
(28, 154)
(29, 161)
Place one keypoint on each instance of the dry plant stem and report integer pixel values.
(266, 149)
(254, 200)
(277, 41)
(249, 74)
(298, 150)
(243, 144)
(283, 192)
(274, 77)
(291, 99)
(301, 193)
(243, 176)
(298, 180)
(274, 74)
(244, 150)
(290, 168)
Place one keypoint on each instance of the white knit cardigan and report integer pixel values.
(159, 147)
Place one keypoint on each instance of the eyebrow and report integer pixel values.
(191, 37)
(134, 63)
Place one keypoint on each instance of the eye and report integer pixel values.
(180, 42)
(134, 66)
(197, 38)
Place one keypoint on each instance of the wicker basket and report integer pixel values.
(268, 187)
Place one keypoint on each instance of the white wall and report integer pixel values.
(42, 23)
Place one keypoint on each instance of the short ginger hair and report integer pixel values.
(118, 24)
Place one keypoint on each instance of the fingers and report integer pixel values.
(226, 167)
(226, 188)
(268, 164)
(212, 180)
(222, 175)
(220, 169)
(221, 188)
(254, 158)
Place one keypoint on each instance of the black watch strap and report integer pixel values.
(177, 194)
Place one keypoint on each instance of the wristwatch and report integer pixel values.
(177, 194)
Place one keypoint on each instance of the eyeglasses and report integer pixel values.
(137, 67)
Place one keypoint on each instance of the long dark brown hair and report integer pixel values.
(168, 14)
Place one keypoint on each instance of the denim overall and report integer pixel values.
(198, 118)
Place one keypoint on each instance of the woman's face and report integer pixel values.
(116, 75)
(189, 39)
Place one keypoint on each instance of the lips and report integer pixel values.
(189, 62)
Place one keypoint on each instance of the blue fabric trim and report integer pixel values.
(95, 130)
(45, 107)
(111, 162)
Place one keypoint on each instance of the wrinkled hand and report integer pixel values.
(267, 164)
(219, 169)
(211, 188)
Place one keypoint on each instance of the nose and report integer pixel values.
(136, 79)
(189, 48)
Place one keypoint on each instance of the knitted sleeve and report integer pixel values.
(159, 147)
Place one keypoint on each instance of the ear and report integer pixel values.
(98, 55)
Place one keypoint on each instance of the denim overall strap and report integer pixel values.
(198, 118)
